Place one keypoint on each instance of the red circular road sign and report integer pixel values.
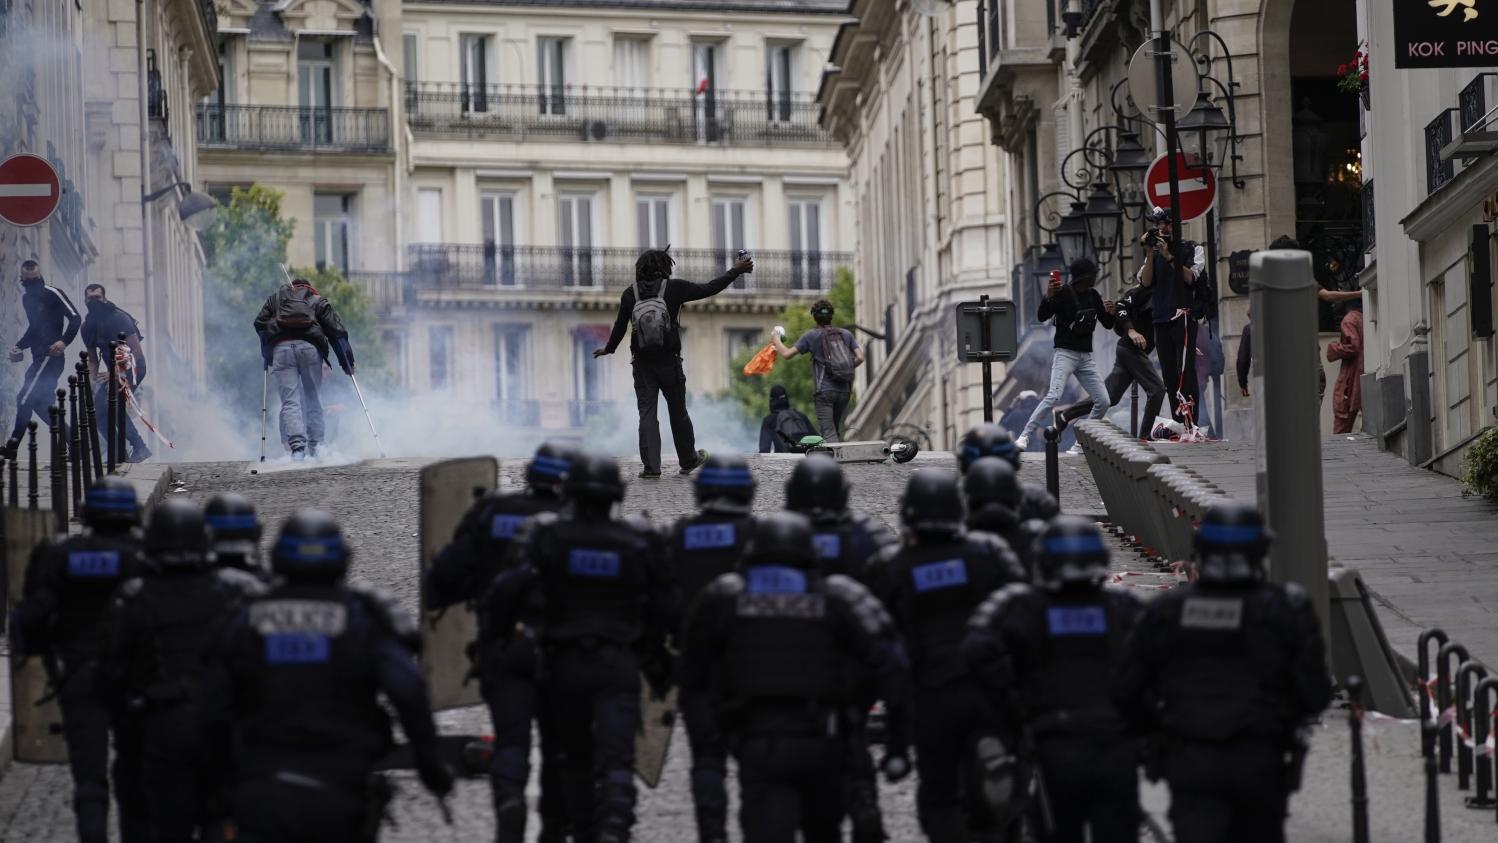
(1197, 183)
(29, 190)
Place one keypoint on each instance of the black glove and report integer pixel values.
(895, 766)
(267, 353)
(436, 778)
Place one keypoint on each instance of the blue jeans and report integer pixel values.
(1063, 365)
(298, 373)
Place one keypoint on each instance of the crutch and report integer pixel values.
(264, 408)
(367, 416)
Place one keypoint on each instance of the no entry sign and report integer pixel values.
(29, 190)
(1198, 186)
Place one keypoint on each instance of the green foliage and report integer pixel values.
(1480, 466)
(751, 396)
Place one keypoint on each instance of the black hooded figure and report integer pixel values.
(782, 430)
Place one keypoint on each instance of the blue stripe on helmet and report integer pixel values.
(549, 466)
(1231, 534)
(232, 522)
(113, 499)
(312, 551)
(1072, 545)
(725, 477)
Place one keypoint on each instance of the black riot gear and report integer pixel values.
(1231, 543)
(236, 531)
(817, 486)
(781, 538)
(725, 484)
(110, 503)
(1071, 550)
(594, 479)
(547, 470)
(177, 534)
(991, 481)
(932, 504)
(987, 440)
(310, 547)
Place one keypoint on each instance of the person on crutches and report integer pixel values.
(298, 327)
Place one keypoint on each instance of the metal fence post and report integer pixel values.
(33, 482)
(1359, 773)
(1444, 676)
(1053, 463)
(75, 444)
(114, 406)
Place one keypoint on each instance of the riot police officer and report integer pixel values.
(1043, 654)
(774, 644)
(994, 497)
(162, 627)
(991, 440)
(931, 586)
(61, 619)
(702, 548)
(603, 593)
(236, 533)
(845, 541)
(296, 687)
(1224, 672)
(507, 665)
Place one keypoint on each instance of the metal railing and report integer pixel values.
(294, 128)
(522, 268)
(619, 115)
(1437, 136)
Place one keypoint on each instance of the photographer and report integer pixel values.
(1077, 309)
(1172, 267)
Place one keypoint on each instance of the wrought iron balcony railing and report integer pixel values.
(531, 268)
(1437, 135)
(616, 115)
(294, 128)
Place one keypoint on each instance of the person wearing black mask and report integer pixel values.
(51, 323)
(1077, 308)
(105, 322)
(1171, 268)
(1135, 325)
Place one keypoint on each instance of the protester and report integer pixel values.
(1347, 395)
(651, 309)
(1210, 363)
(1245, 355)
(1077, 309)
(1135, 326)
(1176, 265)
(105, 323)
(51, 324)
(834, 355)
(297, 326)
(785, 427)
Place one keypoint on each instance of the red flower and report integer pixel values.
(1341, 70)
(1363, 76)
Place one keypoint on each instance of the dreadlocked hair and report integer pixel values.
(654, 265)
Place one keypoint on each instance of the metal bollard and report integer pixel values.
(1134, 410)
(95, 454)
(13, 447)
(75, 445)
(1483, 697)
(1053, 463)
(1422, 670)
(114, 408)
(33, 481)
(1464, 712)
(59, 466)
(119, 432)
(1359, 774)
(1432, 785)
(1443, 695)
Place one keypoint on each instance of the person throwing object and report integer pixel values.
(834, 356)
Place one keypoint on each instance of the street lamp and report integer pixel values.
(198, 210)
(1130, 162)
(1104, 221)
(1205, 133)
(1071, 234)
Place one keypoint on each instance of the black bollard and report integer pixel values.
(1464, 712)
(93, 430)
(1422, 673)
(1484, 724)
(75, 445)
(59, 467)
(1134, 410)
(119, 431)
(33, 481)
(114, 409)
(1053, 463)
(1359, 774)
(1444, 676)
(1432, 786)
(83, 456)
(13, 448)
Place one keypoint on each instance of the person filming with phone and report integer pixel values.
(1077, 308)
(1172, 268)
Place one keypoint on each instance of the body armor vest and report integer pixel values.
(705, 547)
(844, 545)
(1082, 639)
(781, 652)
(594, 577)
(86, 571)
(498, 525)
(184, 615)
(941, 585)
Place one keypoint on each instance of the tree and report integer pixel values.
(751, 395)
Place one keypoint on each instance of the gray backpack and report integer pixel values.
(650, 319)
(837, 357)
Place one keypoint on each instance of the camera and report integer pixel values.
(1154, 236)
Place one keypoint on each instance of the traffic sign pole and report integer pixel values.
(1164, 84)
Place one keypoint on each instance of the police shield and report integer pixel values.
(653, 740)
(447, 492)
(37, 733)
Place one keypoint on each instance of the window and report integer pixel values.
(332, 228)
(575, 230)
(707, 76)
(411, 57)
(632, 65)
(473, 67)
(589, 383)
(729, 235)
(805, 217)
(735, 340)
(778, 64)
(213, 126)
(509, 362)
(394, 344)
(552, 57)
(439, 353)
(653, 221)
(498, 212)
(317, 89)
(429, 215)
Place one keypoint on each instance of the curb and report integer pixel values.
(151, 485)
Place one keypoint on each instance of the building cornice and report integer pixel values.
(200, 41)
(1445, 207)
(796, 8)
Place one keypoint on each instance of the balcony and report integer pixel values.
(615, 115)
(291, 128)
(450, 266)
(1438, 170)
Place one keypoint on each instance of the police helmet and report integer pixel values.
(1231, 544)
(932, 502)
(310, 547)
(817, 486)
(548, 468)
(111, 502)
(987, 440)
(594, 478)
(725, 483)
(236, 528)
(990, 481)
(781, 538)
(177, 534)
(1071, 550)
